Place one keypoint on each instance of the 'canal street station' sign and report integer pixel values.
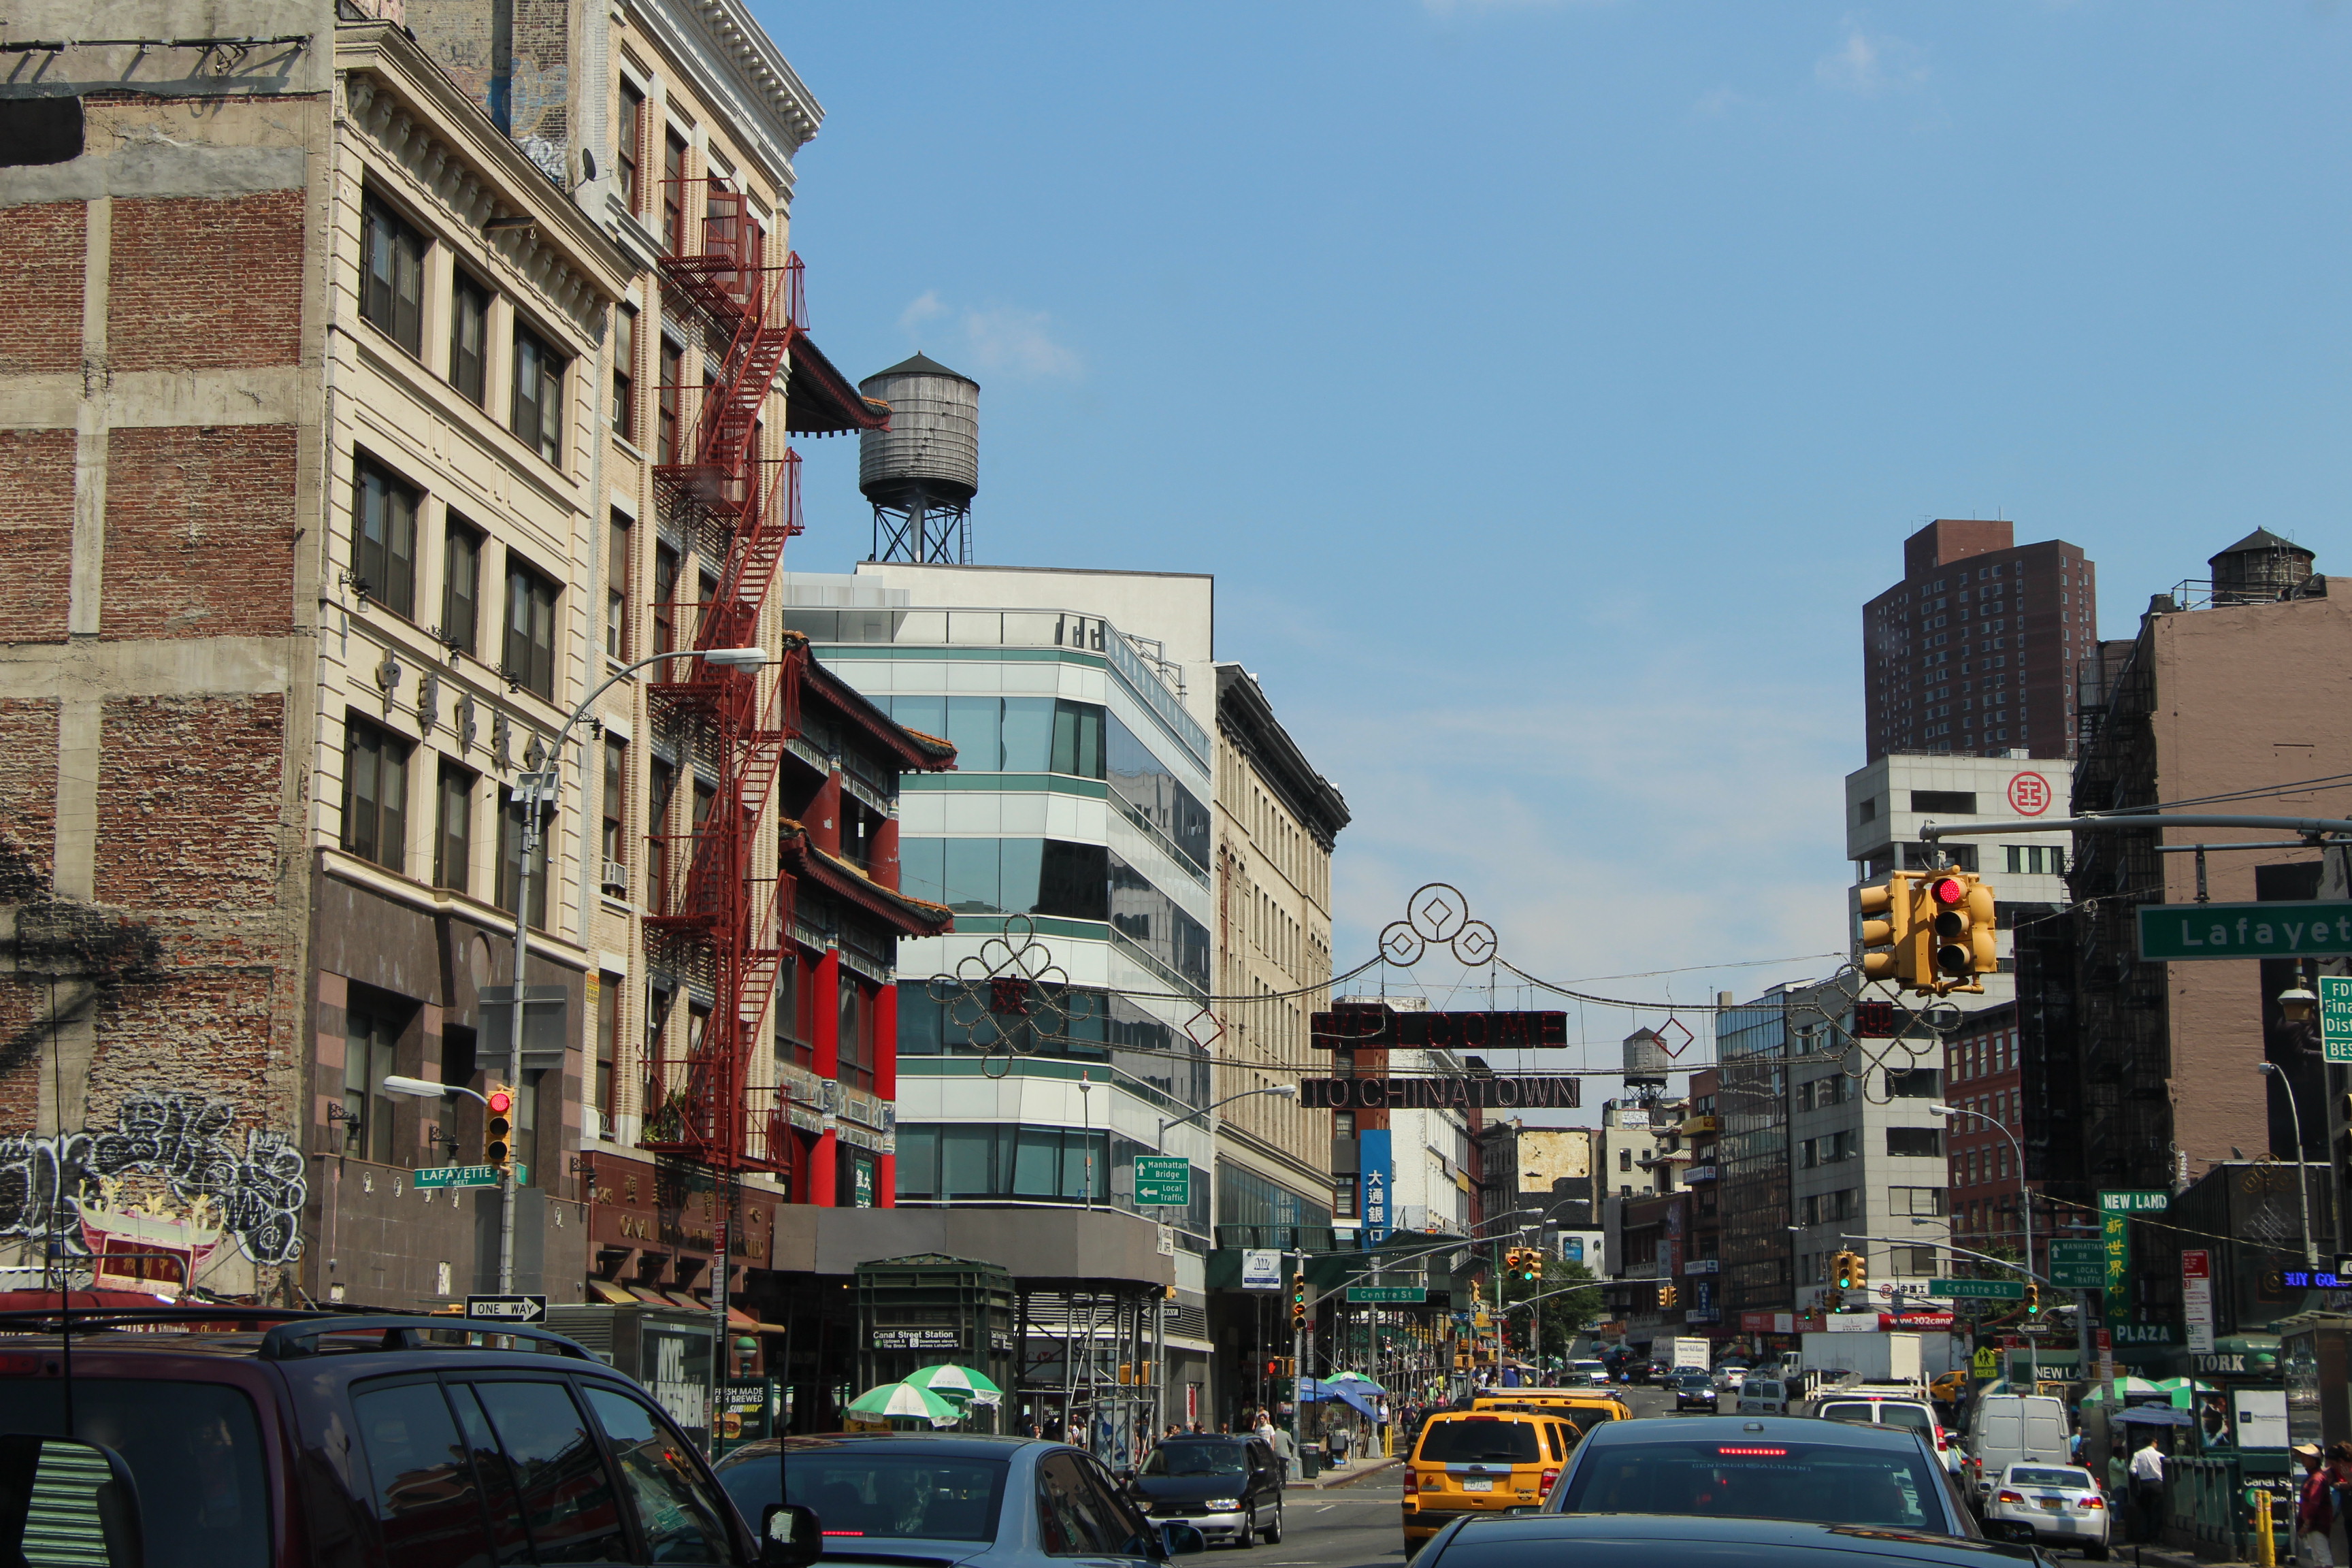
(2284, 929)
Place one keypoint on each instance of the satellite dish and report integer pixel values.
(587, 164)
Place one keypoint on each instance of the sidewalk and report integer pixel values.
(1348, 1475)
(2169, 1557)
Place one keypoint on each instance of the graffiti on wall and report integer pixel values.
(52, 1190)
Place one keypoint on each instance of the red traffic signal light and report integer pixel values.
(501, 1101)
(1947, 890)
(498, 1128)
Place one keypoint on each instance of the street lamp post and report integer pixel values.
(2302, 1182)
(2024, 1192)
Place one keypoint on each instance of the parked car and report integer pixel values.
(1622, 1541)
(1481, 1461)
(956, 1497)
(293, 1438)
(1694, 1390)
(2058, 1505)
(1892, 1408)
(1227, 1488)
(1785, 1467)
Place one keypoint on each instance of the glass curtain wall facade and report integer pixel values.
(1071, 842)
(1752, 1046)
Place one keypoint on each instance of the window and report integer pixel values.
(666, 569)
(542, 1458)
(682, 1518)
(461, 588)
(624, 374)
(392, 275)
(530, 630)
(510, 867)
(666, 396)
(661, 784)
(1962, 801)
(1343, 1197)
(469, 340)
(608, 1051)
(1624, 1159)
(453, 828)
(616, 793)
(427, 1504)
(1922, 1201)
(372, 1032)
(539, 394)
(1912, 1262)
(791, 1011)
(1867, 811)
(383, 538)
(375, 794)
(1920, 1141)
(673, 196)
(629, 146)
(1917, 1083)
(856, 1034)
(921, 1495)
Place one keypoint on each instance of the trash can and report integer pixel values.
(1311, 1463)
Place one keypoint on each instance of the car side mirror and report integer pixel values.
(789, 1536)
(88, 1491)
(1178, 1539)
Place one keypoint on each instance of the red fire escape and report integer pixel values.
(718, 920)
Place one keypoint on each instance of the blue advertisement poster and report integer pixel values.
(1374, 1177)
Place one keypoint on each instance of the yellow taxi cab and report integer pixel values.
(1481, 1461)
(1581, 1405)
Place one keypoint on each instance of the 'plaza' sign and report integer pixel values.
(1438, 1093)
(2283, 928)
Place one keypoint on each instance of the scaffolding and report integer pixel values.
(1091, 1363)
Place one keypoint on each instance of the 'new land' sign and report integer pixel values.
(2285, 929)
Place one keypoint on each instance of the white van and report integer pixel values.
(2007, 1429)
(1763, 1396)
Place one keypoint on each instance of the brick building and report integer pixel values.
(1974, 650)
(1983, 1076)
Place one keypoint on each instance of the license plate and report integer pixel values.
(2053, 1504)
(1478, 1485)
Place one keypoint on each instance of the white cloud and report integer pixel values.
(999, 341)
(1872, 64)
(1721, 100)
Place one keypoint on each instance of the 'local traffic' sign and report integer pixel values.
(2078, 1265)
(506, 1309)
(1163, 1180)
(1977, 1289)
(2282, 929)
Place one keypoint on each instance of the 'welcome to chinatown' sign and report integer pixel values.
(1438, 1093)
(1373, 1028)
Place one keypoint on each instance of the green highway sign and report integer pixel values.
(2284, 929)
(2079, 1265)
(1408, 1293)
(2133, 1200)
(2090, 1250)
(1978, 1289)
(2335, 1017)
(467, 1176)
(1163, 1180)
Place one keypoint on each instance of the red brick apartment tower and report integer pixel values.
(1975, 650)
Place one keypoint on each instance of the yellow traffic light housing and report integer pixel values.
(1534, 1265)
(1962, 912)
(1298, 1299)
(1892, 946)
(1668, 1295)
(1858, 1268)
(1842, 1271)
(2033, 1300)
(497, 1129)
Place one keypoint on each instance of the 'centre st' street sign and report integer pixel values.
(2282, 929)
(1407, 1293)
(1978, 1289)
(1163, 1180)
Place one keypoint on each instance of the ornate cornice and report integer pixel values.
(739, 69)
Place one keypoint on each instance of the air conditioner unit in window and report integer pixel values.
(617, 878)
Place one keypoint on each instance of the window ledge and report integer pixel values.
(628, 446)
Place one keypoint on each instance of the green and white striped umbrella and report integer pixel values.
(904, 1401)
(959, 1383)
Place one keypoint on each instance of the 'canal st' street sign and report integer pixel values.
(1978, 1289)
(2335, 1017)
(466, 1176)
(1407, 1293)
(1164, 1180)
(2284, 929)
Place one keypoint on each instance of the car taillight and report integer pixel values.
(2094, 1501)
(20, 1363)
(1549, 1477)
(1412, 1482)
(2009, 1497)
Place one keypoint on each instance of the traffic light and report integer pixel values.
(1858, 1269)
(1298, 1299)
(497, 1129)
(1534, 1265)
(1668, 1295)
(1964, 921)
(2033, 1300)
(1894, 944)
(1842, 1271)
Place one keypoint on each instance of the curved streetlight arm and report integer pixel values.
(2024, 1192)
(1279, 1090)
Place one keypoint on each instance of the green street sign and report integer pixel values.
(2335, 1017)
(1977, 1289)
(2133, 1200)
(2079, 1265)
(467, 1176)
(1163, 1180)
(2088, 1250)
(1407, 1293)
(2282, 929)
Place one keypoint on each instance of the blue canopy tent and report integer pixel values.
(1313, 1390)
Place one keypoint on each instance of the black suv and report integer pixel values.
(257, 1440)
(1227, 1488)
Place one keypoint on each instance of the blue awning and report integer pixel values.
(1313, 1390)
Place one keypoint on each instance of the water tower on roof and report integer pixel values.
(922, 472)
(2259, 568)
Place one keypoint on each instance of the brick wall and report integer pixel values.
(199, 531)
(41, 261)
(29, 795)
(188, 802)
(205, 283)
(37, 476)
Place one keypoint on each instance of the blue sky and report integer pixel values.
(1548, 385)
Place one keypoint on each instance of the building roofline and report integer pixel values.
(1054, 571)
(1245, 715)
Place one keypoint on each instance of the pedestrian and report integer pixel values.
(1286, 1451)
(1338, 1443)
(2315, 1510)
(2147, 1491)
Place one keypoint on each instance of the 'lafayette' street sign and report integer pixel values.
(2282, 929)
(1438, 1093)
(1979, 1290)
(466, 1175)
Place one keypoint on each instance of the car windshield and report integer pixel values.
(1859, 1411)
(1478, 1439)
(929, 1497)
(1196, 1459)
(2020, 1476)
(1758, 1478)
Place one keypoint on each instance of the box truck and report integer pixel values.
(1877, 1358)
